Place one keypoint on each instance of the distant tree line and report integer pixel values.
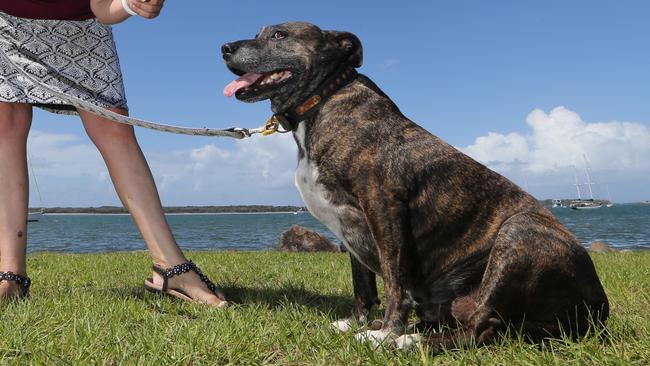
(176, 209)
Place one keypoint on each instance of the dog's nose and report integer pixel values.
(228, 49)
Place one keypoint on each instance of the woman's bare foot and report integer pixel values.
(10, 290)
(190, 283)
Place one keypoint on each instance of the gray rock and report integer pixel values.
(299, 239)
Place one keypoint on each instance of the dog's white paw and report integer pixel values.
(343, 325)
(408, 341)
(377, 337)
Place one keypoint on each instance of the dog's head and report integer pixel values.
(287, 62)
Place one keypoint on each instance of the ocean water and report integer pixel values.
(622, 226)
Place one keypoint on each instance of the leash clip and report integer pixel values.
(273, 125)
(243, 132)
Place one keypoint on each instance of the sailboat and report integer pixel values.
(586, 204)
(581, 204)
(33, 216)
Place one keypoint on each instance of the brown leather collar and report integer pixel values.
(340, 78)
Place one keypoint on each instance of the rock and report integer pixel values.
(299, 239)
(600, 247)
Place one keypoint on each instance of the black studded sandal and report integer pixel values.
(23, 281)
(177, 270)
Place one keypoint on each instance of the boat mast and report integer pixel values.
(577, 184)
(589, 182)
(31, 167)
(609, 196)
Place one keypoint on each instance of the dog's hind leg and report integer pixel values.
(365, 295)
(539, 280)
(475, 325)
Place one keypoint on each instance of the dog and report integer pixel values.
(465, 248)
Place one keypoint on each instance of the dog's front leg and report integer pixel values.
(387, 217)
(365, 296)
(364, 283)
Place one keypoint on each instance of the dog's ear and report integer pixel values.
(350, 43)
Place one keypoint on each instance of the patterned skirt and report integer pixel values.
(76, 57)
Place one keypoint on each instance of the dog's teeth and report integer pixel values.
(275, 78)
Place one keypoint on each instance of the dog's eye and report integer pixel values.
(279, 35)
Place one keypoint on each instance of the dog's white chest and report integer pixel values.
(315, 196)
(346, 222)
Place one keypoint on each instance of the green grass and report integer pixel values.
(92, 309)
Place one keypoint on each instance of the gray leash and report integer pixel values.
(234, 132)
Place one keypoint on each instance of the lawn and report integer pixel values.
(91, 309)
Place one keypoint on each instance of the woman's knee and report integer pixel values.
(106, 133)
(15, 121)
(113, 136)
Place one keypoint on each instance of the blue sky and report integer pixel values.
(529, 89)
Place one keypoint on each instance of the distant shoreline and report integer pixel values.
(208, 210)
(167, 213)
(172, 210)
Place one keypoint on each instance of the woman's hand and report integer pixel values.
(147, 8)
(113, 12)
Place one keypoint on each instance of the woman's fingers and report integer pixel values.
(147, 9)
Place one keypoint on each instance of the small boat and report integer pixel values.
(300, 210)
(34, 216)
(585, 204)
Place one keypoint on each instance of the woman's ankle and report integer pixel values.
(17, 269)
(165, 263)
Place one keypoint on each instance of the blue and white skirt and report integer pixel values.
(75, 57)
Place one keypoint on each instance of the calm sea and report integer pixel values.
(622, 226)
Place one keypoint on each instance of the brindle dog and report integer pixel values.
(461, 245)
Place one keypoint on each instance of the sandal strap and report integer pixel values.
(179, 269)
(211, 286)
(161, 272)
(23, 281)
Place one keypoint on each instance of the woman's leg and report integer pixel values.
(15, 121)
(136, 188)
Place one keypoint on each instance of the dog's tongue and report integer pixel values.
(242, 82)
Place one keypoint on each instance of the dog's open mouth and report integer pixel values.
(257, 83)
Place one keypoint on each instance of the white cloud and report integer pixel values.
(498, 148)
(59, 155)
(253, 171)
(259, 170)
(561, 138)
